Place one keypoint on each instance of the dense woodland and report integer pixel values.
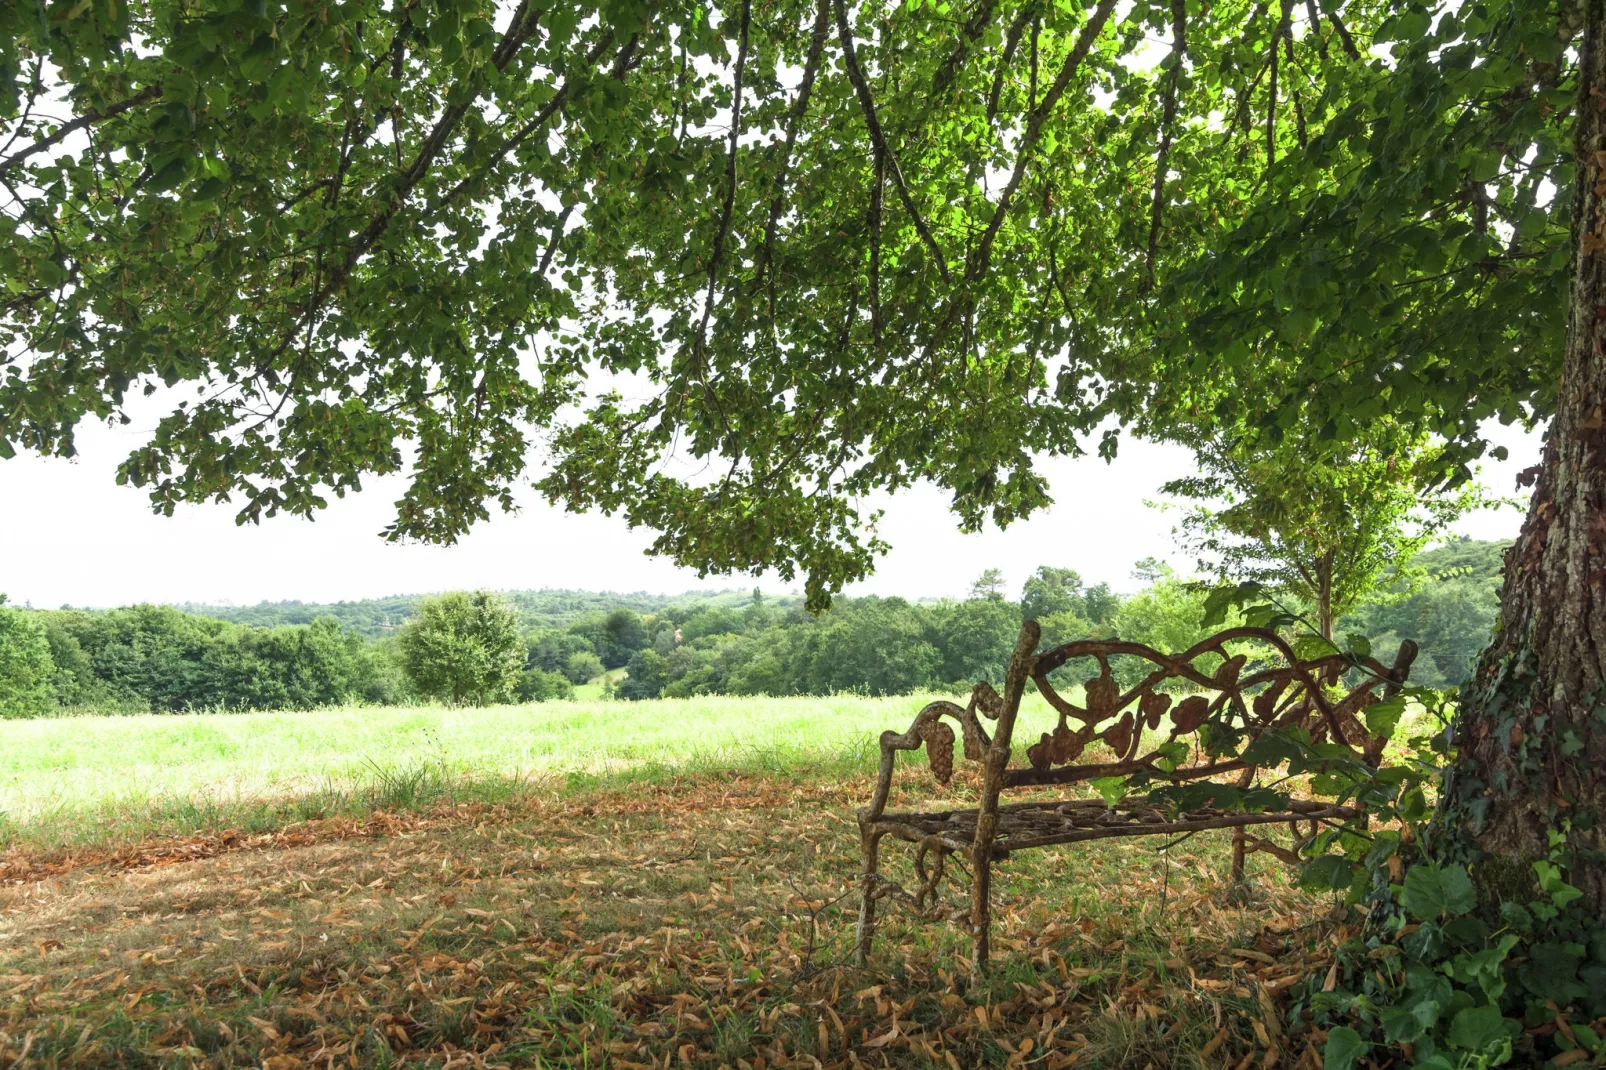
(291, 655)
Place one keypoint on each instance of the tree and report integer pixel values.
(1167, 615)
(538, 685)
(877, 646)
(1051, 590)
(463, 647)
(551, 650)
(1326, 534)
(626, 631)
(974, 639)
(26, 670)
(1451, 615)
(989, 586)
(1100, 604)
(645, 677)
(1058, 592)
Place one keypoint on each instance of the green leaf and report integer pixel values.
(1459, 895)
(1112, 789)
(1410, 1023)
(1172, 754)
(171, 174)
(1485, 968)
(1343, 1049)
(1550, 879)
(1327, 873)
(1431, 892)
(1383, 717)
(1481, 1030)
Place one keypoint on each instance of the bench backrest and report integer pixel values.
(1221, 689)
(1219, 686)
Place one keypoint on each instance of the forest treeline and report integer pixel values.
(534, 646)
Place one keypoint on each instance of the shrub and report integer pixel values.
(538, 685)
(582, 667)
(27, 673)
(464, 647)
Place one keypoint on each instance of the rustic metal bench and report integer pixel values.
(1219, 700)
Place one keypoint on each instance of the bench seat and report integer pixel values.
(1042, 824)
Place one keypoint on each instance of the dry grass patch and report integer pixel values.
(701, 923)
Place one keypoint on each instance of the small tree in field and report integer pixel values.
(1325, 534)
(464, 647)
(25, 665)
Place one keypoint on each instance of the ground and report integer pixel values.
(700, 920)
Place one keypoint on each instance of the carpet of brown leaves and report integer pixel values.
(700, 923)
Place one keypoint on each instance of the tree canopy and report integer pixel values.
(818, 249)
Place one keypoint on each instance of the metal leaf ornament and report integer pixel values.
(1101, 697)
(1153, 706)
(1067, 745)
(1119, 737)
(1189, 714)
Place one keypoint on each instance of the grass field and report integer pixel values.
(89, 778)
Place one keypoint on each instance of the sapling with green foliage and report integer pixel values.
(1326, 534)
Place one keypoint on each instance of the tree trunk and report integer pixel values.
(1532, 731)
(1324, 595)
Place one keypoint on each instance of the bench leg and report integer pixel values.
(1235, 878)
(981, 912)
(870, 848)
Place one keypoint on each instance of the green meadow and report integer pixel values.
(87, 778)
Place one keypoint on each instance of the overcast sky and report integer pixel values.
(70, 535)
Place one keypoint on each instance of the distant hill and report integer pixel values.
(539, 609)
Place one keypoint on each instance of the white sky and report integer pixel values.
(70, 535)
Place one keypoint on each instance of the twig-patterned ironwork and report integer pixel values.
(1242, 703)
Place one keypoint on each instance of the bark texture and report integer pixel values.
(1532, 738)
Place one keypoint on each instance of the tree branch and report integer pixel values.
(552, 245)
(1271, 88)
(1034, 129)
(876, 194)
(89, 118)
(1343, 35)
(1315, 17)
(800, 107)
(878, 139)
(1179, 51)
(519, 30)
(727, 208)
(1011, 42)
(540, 119)
(979, 18)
